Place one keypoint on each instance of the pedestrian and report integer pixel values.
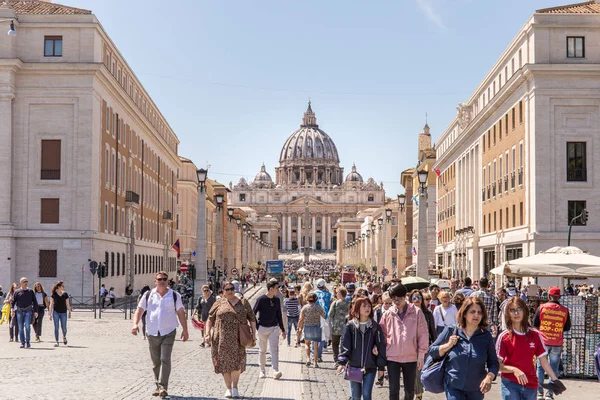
(552, 319)
(466, 290)
(310, 326)
(517, 349)
(103, 295)
(337, 320)
(270, 325)
(142, 293)
(363, 349)
(42, 300)
(13, 327)
(434, 290)
(112, 297)
(471, 364)
(491, 304)
(59, 310)
(24, 305)
(292, 310)
(418, 299)
(205, 303)
(405, 330)
(228, 354)
(385, 305)
(163, 308)
(458, 299)
(445, 314)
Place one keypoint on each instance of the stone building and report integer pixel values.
(309, 192)
(520, 152)
(88, 161)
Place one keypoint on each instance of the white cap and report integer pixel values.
(321, 283)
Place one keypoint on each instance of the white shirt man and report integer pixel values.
(163, 309)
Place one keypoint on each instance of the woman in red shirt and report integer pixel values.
(517, 348)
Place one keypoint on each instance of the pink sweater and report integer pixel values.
(408, 340)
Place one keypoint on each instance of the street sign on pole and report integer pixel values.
(93, 267)
(183, 268)
(234, 271)
(385, 272)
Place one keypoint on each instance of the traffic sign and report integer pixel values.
(385, 272)
(93, 267)
(234, 271)
(183, 268)
(194, 254)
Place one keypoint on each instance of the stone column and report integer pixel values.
(288, 244)
(327, 230)
(299, 230)
(283, 231)
(7, 241)
(313, 235)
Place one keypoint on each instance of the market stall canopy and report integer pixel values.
(302, 270)
(566, 262)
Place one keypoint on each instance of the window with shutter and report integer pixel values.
(51, 156)
(49, 211)
(47, 266)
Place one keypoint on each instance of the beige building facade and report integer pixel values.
(520, 152)
(89, 161)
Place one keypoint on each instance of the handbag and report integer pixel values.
(245, 333)
(355, 374)
(432, 374)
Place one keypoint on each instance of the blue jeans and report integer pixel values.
(510, 390)
(365, 388)
(62, 318)
(456, 394)
(24, 323)
(291, 321)
(554, 353)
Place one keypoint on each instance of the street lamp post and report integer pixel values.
(422, 241)
(401, 237)
(380, 250)
(388, 218)
(219, 265)
(372, 247)
(200, 262)
(11, 30)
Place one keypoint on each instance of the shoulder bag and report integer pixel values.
(245, 332)
(432, 374)
(355, 374)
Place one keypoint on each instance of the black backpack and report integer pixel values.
(174, 299)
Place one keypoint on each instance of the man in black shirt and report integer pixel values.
(270, 324)
(26, 305)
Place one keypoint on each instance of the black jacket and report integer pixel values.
(204, 306)
(430, 325)
(356, 348)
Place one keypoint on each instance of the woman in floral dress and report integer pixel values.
(228, 355)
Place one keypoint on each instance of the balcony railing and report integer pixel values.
(521, 176)
(132, 197)
(576, 174)
(50, 174)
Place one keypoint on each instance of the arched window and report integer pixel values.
(393, 244)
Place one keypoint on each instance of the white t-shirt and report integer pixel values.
(445, 316)
(161, 318)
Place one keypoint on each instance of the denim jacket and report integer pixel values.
(469, 361)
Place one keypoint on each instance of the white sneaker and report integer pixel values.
(277, 375)
(228, 394)
(234, 393)
(262, 375)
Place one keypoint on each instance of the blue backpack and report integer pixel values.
(434, 371)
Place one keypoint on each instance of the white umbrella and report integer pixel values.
(566, 262)
(302, 270)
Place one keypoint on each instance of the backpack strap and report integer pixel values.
(174, 299)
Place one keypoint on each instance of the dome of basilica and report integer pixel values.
(309, 143)
(354, 176)
(263, 179)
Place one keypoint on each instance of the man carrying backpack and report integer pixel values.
(163, 308)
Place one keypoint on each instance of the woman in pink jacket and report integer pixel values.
(405, 330)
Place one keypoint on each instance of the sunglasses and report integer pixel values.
(205, 290)
(24, 281)
(516, 310)
(161, 279)
(417, 298)
(229, 289)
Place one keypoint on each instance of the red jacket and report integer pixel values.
(552, 319)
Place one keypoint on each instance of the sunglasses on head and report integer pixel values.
(161, 279)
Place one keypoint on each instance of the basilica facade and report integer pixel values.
(310, 192)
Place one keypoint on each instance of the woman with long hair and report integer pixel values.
(228, 354)
(309, 325)
(142, 293)
(13, 328)
(59, 310)
(445, 314)
(306, 289)
(205, 303)
(42, 300)
(363, 347)
(517, 348)
(471, 363)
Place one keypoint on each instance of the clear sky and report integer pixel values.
(233, 77)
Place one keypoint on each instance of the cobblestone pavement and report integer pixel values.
(104, 361)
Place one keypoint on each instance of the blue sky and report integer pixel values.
(233, 77)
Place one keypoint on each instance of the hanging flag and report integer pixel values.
(414, 251)
(436, 203)
(415, 200)
(437, 172)
(440, 234)
(177, 248)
